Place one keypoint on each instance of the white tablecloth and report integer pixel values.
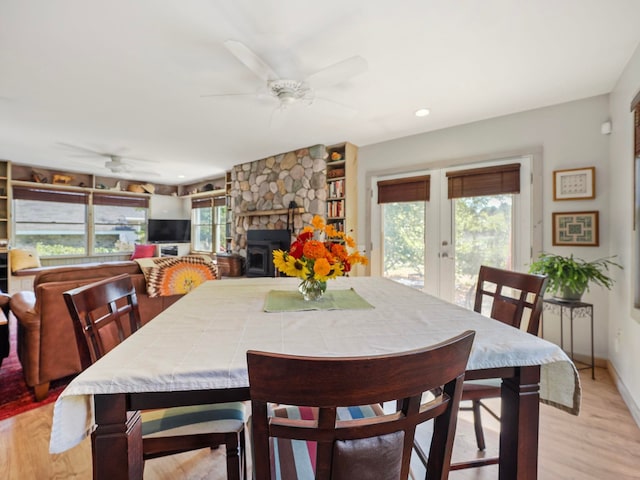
(200, 343)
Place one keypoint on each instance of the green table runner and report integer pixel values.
(292, 301)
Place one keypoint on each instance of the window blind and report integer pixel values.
(50, 195)
(484, 181)
(120, 200)
(208, 202)
(409, 189)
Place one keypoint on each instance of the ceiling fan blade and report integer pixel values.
(252, 61)
(338, 72)
(109, 154)
(77, 147)
(137, 159)
(332, 108)
(143, 172)
(229, 95)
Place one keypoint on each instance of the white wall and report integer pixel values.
(167, 207)
(561, 136)
(624, 326)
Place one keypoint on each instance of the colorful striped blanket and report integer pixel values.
(176, 275)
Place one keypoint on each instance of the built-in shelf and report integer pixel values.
(342, 186)
(5, 224)
(209, 193)
(74, 188)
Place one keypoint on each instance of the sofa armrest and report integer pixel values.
(22, 305)
(4, 300)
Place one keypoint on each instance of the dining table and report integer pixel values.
(194, 352)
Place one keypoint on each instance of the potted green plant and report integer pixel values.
(569, 277)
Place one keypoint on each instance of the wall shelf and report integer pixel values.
(209, 193)
(279, 211)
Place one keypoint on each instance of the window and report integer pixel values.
(404, 228)
(52, 222)
(482, 211)
(209, 224)
(119, 222)
(435, 229)
(65, 222)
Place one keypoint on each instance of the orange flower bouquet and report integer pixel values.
(319, 253)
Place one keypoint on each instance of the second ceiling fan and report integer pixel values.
(115, 163)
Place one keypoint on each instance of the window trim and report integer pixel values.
(635, 274)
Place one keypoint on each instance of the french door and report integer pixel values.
(438, 244)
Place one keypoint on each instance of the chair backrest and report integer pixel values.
(349, 448)
(512, 294)
(104, 313)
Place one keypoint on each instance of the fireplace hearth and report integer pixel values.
(260, 247)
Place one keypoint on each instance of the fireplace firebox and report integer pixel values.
(260, 247)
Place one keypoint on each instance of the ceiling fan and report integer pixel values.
(114, 163)
(290, 91)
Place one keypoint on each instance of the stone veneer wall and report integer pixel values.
(271, 184)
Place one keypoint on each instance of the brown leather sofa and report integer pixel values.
(46, 341)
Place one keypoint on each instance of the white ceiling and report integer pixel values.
(128, 76)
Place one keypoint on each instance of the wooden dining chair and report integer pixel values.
(509, 297)
(104, 314)
(322, 417)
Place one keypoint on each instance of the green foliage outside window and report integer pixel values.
(404, 238)
(482, 233)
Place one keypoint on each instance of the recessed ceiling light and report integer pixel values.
(422, 112)
(180, 176)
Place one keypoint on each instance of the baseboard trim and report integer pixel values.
(633, 407)
(586, 359)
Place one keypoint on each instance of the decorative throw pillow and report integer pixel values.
(22, 258)
(178, 275)
(144, 251)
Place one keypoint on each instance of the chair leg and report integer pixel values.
(477, 423)
(233, 459)
(243, 454)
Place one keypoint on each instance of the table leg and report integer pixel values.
(117, 441)
(520, 413)
(571, 331)
(561, 327)
(593, 360)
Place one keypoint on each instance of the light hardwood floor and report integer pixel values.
(602, 443)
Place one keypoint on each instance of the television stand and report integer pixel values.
(173, 249)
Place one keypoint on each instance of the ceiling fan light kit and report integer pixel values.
(290, 91)
(116, 166)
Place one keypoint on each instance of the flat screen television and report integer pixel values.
(169, 231)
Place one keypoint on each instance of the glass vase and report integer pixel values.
(312, 289)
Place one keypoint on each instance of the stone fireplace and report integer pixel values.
(262, 191)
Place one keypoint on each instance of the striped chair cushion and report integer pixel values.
(296, 459)
(190, 420)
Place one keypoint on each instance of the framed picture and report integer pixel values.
(578, 229)
(574, 184)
